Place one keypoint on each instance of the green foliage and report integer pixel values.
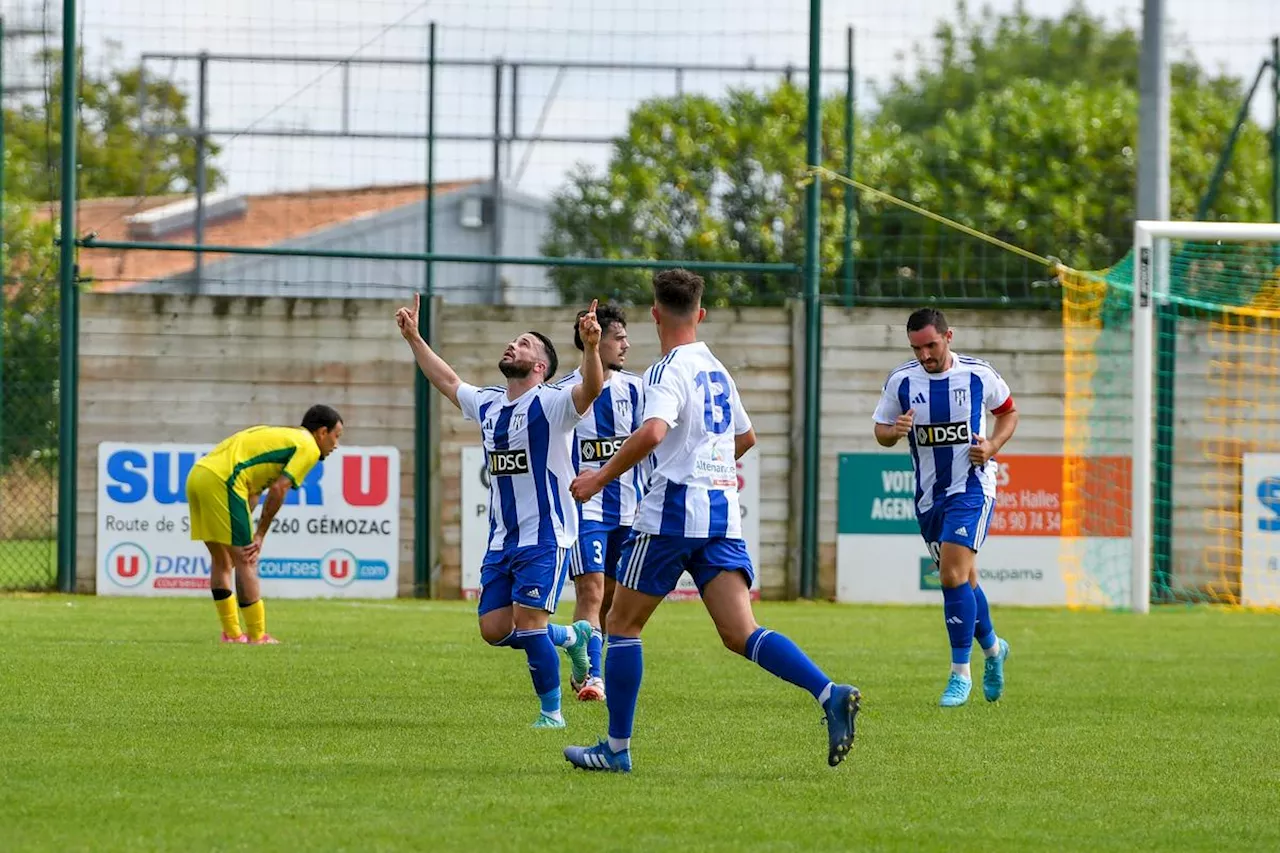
(1021, 127)
(697, 179)
(28, 387)
(116, 159)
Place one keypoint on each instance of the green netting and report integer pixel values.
(1216, 366)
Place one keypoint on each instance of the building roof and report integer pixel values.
(266, 221)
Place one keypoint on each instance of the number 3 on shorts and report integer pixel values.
(598, 546)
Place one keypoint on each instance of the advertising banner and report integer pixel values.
(337, 535)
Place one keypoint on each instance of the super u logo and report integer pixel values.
(128, 565)
(132, 475)
(339, 567)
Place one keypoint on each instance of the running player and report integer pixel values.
(527, 427)
(688, 520)
(939, 403)
(604, 522)
(223, 487)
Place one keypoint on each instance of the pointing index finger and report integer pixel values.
(592, 309)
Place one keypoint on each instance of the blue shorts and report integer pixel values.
(532, 576)
(599, 546)
(962, 519)
(652, 563)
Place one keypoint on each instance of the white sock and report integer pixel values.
(961, 669)
(619, 744)
(994, 650)
(555, 715)
(826, 693)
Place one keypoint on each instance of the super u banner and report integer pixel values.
(337, 535)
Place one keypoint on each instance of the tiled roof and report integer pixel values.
(268, 220)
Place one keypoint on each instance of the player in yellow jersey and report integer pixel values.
(223, 487)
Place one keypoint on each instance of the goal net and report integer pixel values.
(1172, 420)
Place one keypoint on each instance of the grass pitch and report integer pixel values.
(391, 726)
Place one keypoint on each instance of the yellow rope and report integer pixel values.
(820, 171)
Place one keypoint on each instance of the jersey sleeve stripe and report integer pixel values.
(1004, 408)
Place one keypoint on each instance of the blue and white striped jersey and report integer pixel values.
(615, 414)
(949, 410)
(693, 484)
(527, 452)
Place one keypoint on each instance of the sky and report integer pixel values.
(282, 93)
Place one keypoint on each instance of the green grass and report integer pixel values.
(28, 564)
(392, 727)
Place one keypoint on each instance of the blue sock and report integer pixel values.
(777, 654)
(958, 606)
(594, 647)
(984, 632)
(623, 669)
(561, 635)
(544, 667)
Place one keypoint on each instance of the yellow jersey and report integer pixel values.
(252, 459)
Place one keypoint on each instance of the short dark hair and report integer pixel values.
(553, 361)
(922, 318)
(320, 415)
(606, 315)
(678, 290)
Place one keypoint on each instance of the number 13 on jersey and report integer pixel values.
(716, 400)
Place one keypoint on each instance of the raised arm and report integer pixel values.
(435, 368)
(586, 391)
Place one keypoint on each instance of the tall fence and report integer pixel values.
(492, 154)
(350, 354)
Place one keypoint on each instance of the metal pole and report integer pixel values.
(448, 258)
(515, 115)
(850, 225)
(4, 277)
(1153, 204)
(495, 233)
(1229, 147)
(813, 314)
(1275, 130)
(423, 450)
(202, 115)
(68, 373)
(346, 97)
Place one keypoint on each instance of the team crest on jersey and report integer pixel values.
(514, 425)
(623, 409)
(961, 396)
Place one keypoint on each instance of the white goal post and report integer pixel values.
(1151, 285)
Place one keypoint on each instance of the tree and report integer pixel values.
(116, 159)
(1024, 128)
(697, 178)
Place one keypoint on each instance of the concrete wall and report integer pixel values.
(178, 368)
(195, 369)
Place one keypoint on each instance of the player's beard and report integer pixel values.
(614, 366)
(512, 370)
